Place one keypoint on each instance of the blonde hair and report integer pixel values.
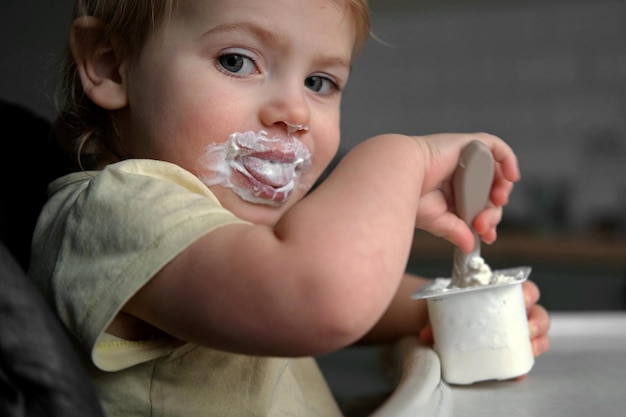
(84, 130)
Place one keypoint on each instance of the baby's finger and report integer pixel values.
(434, 217)
(505, 158)
(538, 321)
(500, 191)
(539, 325)
(531, 293)
(426, 335)
(486, 222)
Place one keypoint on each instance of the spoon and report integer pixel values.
(471, 185)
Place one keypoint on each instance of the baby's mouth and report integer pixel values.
(268, 167)
(274, 173)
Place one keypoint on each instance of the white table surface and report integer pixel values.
(583, 374)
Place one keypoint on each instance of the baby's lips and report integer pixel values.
(278, 148)
(275, 174)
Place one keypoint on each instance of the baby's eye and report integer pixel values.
(237, 64)
(320, 84)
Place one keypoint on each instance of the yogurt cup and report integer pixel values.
(481, 332)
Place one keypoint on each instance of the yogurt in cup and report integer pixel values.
(481, 331)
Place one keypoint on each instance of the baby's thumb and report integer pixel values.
(426, 335)
(456, 231)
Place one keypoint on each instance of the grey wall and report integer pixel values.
(548, 76)
(32, 36)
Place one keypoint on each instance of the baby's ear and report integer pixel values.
(98, 62)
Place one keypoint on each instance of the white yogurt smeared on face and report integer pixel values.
(259, 169)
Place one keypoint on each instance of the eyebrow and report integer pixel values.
(261, 33)
(270, 37)
(256, 30)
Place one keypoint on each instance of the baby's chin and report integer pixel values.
(256, 213)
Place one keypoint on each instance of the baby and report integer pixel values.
(188, 255)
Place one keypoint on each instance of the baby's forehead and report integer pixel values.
(357, 10)
(214, 12)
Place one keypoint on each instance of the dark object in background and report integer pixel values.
(40, 373)
(29, 162)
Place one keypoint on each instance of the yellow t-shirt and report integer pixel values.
(102, 236)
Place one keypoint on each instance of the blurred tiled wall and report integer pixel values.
(548, 77)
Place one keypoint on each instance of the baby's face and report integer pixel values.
(245, 94)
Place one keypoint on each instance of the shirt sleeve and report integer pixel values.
(115, 229)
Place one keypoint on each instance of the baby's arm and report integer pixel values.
(330, 267)
(404, 316)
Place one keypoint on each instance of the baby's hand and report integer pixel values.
(436, 212)
(538, 319)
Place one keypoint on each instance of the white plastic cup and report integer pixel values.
(481, 333)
